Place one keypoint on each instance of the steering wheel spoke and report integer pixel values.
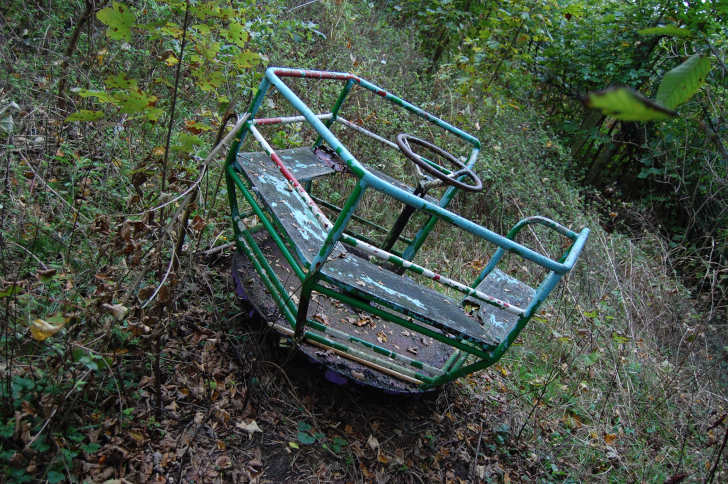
(457, 174)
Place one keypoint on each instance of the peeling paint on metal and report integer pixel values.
(369, 280)
(308, 226)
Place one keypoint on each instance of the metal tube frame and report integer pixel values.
(311, 275)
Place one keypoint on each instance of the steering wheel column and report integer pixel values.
(431, 175)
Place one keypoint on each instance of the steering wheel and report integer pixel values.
(404, 140)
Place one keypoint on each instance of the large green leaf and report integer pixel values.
(669, 30)
(682, 82)
(627, 104)
(119, 19)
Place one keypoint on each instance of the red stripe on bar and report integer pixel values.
(267, 120)
(315, 74)
(284, 170)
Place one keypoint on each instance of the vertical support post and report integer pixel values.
(235, 147)
(339, 225)
(333, 236)
(337, 106)
(421, 235)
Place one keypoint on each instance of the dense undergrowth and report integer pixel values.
(125, 354)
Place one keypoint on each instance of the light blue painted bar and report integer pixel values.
(419, 238)
(420, 112)
(403, 196)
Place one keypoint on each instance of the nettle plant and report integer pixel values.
(215, 41)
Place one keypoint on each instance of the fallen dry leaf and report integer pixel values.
(119, 311)
(372, 442)
(250, 427)
(41, 330)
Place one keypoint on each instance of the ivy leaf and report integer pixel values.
(236, 34)
(102, 96)
(135, 101)
(53, 477)
(305, 438)
(683, 81)
(186, 142)
(85, 115)
(246, 59)
(120, 81)
(670, 30)
(119, 19)
(627, 105)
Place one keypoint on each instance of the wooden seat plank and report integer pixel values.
(357, 275)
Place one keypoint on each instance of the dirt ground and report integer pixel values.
(242, 405)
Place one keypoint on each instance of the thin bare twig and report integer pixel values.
(40, 178)
(194, 185)
(164, 279)
(45, 267)
(215, 250)
(174, 94)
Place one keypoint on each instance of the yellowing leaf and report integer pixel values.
(41, 329)
(171, 60)
(610, 438)
(135, 101)
(102, 96)
(100, 55)
(120, 81)
(172, 29)
(153, 114)
(209, 49)
(246, 59)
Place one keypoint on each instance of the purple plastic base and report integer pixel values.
(335, 377)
